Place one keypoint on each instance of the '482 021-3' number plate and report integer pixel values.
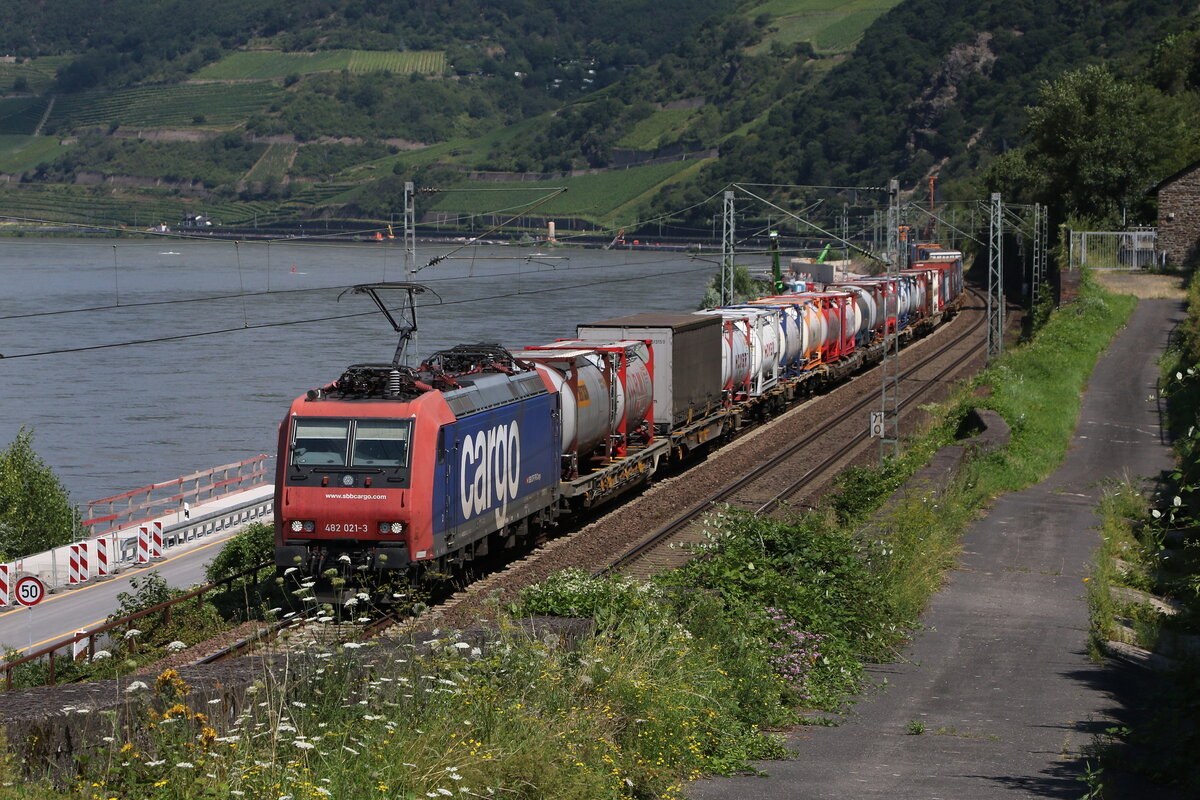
(346, 527)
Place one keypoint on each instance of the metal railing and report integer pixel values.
(161, 499)
(51, 565)
(90, 636)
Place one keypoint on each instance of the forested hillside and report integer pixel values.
(938, 86)
(284, 110)
(120, 42)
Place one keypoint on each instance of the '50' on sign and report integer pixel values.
(30, 591)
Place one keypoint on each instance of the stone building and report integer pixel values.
(1179, 215)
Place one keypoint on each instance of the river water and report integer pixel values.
(109, 416)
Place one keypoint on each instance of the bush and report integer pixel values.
(252, 547)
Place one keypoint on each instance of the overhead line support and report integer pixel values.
(995, 296)
(889, 369)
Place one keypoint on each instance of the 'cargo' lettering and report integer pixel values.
(491, 469)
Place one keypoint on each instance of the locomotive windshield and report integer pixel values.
(381, 443)
(368, 442)
(320, 441)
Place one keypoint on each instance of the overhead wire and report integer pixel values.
(287, 323)
(339, 287)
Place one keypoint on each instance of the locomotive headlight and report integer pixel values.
(309, 526)
(297, 526)
(397, 527)
(391, 527)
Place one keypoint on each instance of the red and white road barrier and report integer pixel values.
(79, 564)
(156, 541)
(4, 595)
(143, 551)
(102, 558)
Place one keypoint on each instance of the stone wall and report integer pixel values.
(1179, 217)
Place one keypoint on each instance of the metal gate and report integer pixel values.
(1134, 249)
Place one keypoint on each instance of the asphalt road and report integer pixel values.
(1000, 677)
(61, 614)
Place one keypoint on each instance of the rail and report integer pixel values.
(147, 503)
(51, 651)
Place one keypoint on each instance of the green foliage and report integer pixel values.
(221, 160)
(1090, 145)
(250, 548)
(35, 510)
(574, 593)
(149, 638)
(744, 288)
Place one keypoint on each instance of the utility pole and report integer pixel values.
(889, 369)
(995, 297)
(410, 254)
(727, 246)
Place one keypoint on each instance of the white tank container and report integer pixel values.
(868, 311)
(580, 379)
(791, 331)
(632, 391)
(762, 327)
(735, 353)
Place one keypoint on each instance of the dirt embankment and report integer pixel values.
(1143, 285)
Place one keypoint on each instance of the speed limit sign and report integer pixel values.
(30, 591)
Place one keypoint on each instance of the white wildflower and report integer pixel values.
(185, 765)
(132, 632)
(136, 686)
(176, 646)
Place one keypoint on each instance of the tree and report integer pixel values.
(35, 510)
(1088, 138)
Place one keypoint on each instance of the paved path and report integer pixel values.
(1001, 678)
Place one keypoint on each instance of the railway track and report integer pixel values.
(793, 469)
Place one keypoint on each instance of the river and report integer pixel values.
(109, 415)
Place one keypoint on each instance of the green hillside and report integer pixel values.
(32, 74)
(21, 153)
(177, 106)
(828, 25)
(287, 110)
(245, 65)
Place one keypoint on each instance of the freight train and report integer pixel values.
(394, 472)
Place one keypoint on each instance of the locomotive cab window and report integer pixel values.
(320, 442)
(381, 443)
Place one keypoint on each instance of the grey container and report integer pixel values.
(687, 361)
